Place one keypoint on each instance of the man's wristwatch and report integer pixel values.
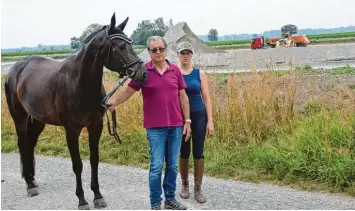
(188, 120)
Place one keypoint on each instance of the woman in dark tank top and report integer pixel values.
(201, 121)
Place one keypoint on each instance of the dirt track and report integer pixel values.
(281, 58)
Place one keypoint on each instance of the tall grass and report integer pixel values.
(268, 126)
(260, 134)
(247, 107)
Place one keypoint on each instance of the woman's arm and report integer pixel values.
(206, 96)
(185, 106)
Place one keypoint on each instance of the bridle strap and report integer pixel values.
(126, 67)
(121, 37)
(113, 132)
(128, 72)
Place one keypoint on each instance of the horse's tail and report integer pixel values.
(11, 80)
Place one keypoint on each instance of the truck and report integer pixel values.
(287, 39)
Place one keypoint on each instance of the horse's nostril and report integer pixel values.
(145, 75)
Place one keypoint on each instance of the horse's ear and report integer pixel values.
(123, 24)
(113, 23)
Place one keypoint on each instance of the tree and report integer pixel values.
(148, 28)
(75, 43)
(89, 30)
(160, 25)
(212, 35)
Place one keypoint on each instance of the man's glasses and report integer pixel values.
(155, 50)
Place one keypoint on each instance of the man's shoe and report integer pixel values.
(174, 205)
(156, 207)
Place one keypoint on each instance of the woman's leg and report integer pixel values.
(184, 167)
(198, 142)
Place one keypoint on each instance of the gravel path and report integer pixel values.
(127, 188)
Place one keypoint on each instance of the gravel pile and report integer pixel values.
(203, 53)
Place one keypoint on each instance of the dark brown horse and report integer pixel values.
(69, 93)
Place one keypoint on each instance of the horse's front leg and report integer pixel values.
(94, 138)
(72, 136)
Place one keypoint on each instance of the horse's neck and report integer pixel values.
(90, 71)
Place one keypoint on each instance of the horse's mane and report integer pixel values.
(88, 38)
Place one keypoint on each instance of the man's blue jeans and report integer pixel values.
(165, 143)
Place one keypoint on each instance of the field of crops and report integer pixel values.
(314, 38)
(28, 53)
(54, 54)
(47, 52)
(227, 44)
(333, 35)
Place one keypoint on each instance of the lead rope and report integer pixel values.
(113, 132)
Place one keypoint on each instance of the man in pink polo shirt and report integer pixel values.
(166, 119)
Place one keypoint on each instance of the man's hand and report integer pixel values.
(187, 131)
(111, 104)
(119, 98)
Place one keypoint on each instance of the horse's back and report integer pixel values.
(31, 71)
(33, 64)
(41, 65)
(15, 70)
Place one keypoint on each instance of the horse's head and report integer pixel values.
(119, 55)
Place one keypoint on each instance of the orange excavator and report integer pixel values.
(288, 39)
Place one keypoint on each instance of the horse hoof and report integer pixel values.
(84, 207)
(32, 192)
(35, 183)
(100, 203)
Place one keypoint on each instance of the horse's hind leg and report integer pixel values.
(94, 138)
(24, 148)
(20, 118)
(72, 136)
(34, 129)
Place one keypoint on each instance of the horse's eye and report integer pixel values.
(122, 47)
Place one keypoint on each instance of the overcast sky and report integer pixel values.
(49, 22)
